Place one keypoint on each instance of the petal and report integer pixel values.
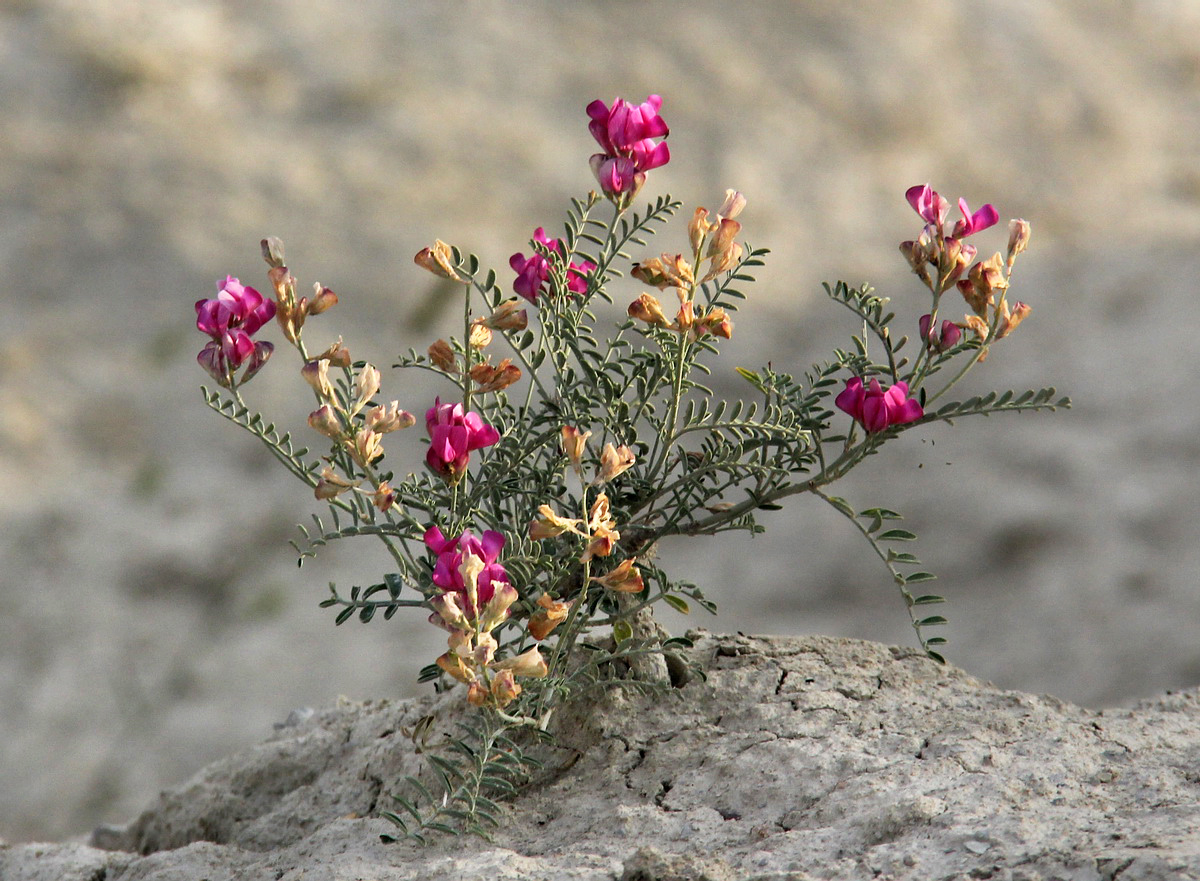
(492, 543)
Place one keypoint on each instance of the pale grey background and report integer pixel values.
(151, 615)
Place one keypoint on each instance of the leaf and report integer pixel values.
(344, 615)
(932, 621)
(622, 630)
(928, 599)
(677, 603)
(918, 577)
(897, 535)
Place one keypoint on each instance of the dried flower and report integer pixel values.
(626, 578)
(529, 663)
(494, 379)
(438, 260)
(337, 355)
(508, 316)
(316, 374)
(331, 484)
(323, 300)
(613, 461)
(574, 444)
(326, 421)
(367, 447)
(550, 614)
(442, 356)
(647, 308)
(1018, 239)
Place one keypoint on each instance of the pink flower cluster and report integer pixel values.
(453, 434)
(626, 134)
(533, 272)
(933, 209)
(450, 553)
(876, 408)
(231, 318)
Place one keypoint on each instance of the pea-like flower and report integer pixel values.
(876, 408)
(533, 272)
(447, 572)
(231, 319)
(626, 133)
(453, 435)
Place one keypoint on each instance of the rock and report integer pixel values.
(795, 759)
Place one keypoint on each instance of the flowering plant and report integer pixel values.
(552, 473)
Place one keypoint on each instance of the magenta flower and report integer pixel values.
(876, 409)
(533, 272)
(626, 134)
(933, 209)
(231, 319)
(452, 436)
(947, 339)
(450, 553)
(927, 203)
(973, 223)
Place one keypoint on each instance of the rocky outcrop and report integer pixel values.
(795, 759)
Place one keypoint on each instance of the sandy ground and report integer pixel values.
(151, 614)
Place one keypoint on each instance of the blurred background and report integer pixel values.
(152, 617)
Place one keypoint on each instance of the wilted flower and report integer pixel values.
(231, 318)
(438, 261)
(367, 447)
(331, 484)
(982, 282)
(529, 663)
(533, 272)
(549, 524)
(389, 418)
(493, 379)
(316, 374)
(366, 386)
(614, 461)
(626, 134)
(574, 443)
(626, 578)
(550, 614)
(384, 496)
(876, 408)
(504, 689)
(480, 336)
(323, 300)
(508, 316)
(647, 308)
(442, 356)
(337, 355)
(1010, 320)
(453, 435)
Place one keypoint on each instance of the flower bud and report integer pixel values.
(438, 261)
(442, 356)
(316, 374)
(272, 251)
(326, 422)
(1018, 238)
(732, 206)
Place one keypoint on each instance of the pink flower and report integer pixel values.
(949, 337)
(973, 223)
(450, 553)
(927, 203)
(452, 436)
(533, 272)
(231, 319)
(626, 134)
(933, 209)
(876, 409)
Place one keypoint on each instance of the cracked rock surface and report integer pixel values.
(798, 758)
